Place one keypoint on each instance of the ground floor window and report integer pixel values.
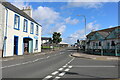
(36, 44)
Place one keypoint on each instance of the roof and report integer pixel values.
(104, 32)
(45, 38)
(20, 12)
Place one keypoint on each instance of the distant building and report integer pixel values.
(45, 40)
(19, 32)
(63, 44)
(82, 44)
(104, 41)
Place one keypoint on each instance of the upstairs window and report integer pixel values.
(37, 30)
(25, 25)
(36, 44)
(16, 22)
(32, 28)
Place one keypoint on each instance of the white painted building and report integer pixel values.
(20, 33)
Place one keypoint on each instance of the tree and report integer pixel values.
(78, 41)
(56, 37)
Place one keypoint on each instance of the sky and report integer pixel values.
(63, 17)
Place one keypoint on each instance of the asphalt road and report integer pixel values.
(59, 65)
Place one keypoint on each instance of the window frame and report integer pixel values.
(36, 44)
(26, 25)
(32, 28)
(18, 26)
(37, 30)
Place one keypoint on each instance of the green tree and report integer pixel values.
(56, 37)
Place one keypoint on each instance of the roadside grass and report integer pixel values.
(48, 47)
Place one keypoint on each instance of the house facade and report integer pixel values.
(20, 33)
(106, 41)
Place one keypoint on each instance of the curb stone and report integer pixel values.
(77, 55)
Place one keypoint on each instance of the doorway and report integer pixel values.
(15, 45)
(28, 45)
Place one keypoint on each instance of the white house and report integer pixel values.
(19, 32)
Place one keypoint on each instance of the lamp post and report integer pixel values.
(85, 22)
(84, 26)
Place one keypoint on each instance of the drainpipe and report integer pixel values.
(5, 37)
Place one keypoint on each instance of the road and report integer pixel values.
(59, 65)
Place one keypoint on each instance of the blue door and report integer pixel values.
(15, 45)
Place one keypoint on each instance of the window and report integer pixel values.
(112, 43)
(37, 30)
(25, 25)
(36, 44)
(16, 22)
(99, 43)
(32, 28)
(93, 43)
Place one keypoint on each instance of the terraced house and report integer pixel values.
(19, 32)
(106, 41)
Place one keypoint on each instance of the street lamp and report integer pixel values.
(85, 22)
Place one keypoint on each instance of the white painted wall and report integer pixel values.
(2, 26)
(11, 32)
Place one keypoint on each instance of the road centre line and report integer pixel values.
(58, 74)
(70, 61)
(57, 77)
(48, 76)
(23, 63)
(26, 62)
(54, 73)
(70, 66)
(62, 74)
(60, 69)
(66, 69)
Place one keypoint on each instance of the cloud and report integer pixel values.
(59, 27)
(70, 21)
(85, 5)
(80, 34)
(45, 15)
(92, 26)
(20, 5)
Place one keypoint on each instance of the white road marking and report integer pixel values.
(94, 66)
(60, 69)
(70, 61)
(62, 74)
(56, 78)
(54, 73)
(48, 77)
(62, 52)
(64, 66)
(70, 66)
(66, 69)
(48, 56)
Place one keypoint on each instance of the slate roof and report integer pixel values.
(103, 32)
(20, 12)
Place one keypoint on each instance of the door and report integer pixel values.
(30, 46)
(15, 45)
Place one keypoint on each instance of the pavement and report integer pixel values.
(95, 57)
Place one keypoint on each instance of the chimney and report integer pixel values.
(27, 10)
